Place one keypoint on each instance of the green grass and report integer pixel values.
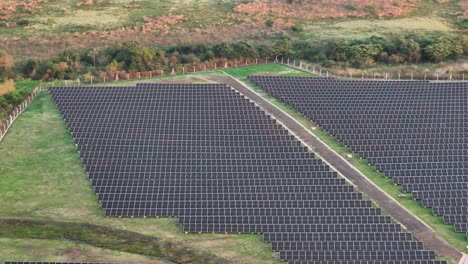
(445, 231)
(26, 86)
(40, 165)
(277, 69)
(63, 251)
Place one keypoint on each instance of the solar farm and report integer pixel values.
(416, 132)
(216, 161)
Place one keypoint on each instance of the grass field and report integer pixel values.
(458, 240)
(362, 28)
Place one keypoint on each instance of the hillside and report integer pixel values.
(44, 28)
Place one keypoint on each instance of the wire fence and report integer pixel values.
(122, 76)
(391, 75)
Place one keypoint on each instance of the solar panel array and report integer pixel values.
(416, 132)
(211, 157)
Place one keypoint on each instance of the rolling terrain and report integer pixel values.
(43, 28)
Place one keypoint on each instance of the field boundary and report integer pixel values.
(17, 111)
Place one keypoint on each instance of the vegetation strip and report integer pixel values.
(104, 237)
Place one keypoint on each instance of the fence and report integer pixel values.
(118, 76)
(6, 124)
(323, 72)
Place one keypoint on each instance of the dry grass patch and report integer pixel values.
(54, 250)
(327, 9)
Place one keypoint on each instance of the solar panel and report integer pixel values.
(415, 132)
(212, 158)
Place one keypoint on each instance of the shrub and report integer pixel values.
(23, 22)
(13, 98)
(269, 22)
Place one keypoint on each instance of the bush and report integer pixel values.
(23, 22)
(296, 28)
(269, 22)
(3, 102)
(463, 24)
(13, 98)
(351, 7)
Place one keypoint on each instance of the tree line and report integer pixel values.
(134, 57)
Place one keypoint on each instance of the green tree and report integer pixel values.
(93, 53)
(245, 50)
(411, 49)
(364, 54)
(225, 50)
(283, 48)
(444, 48)
(113, 67)
(30, 67)
(337, 50)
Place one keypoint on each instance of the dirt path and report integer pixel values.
(416, 226)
